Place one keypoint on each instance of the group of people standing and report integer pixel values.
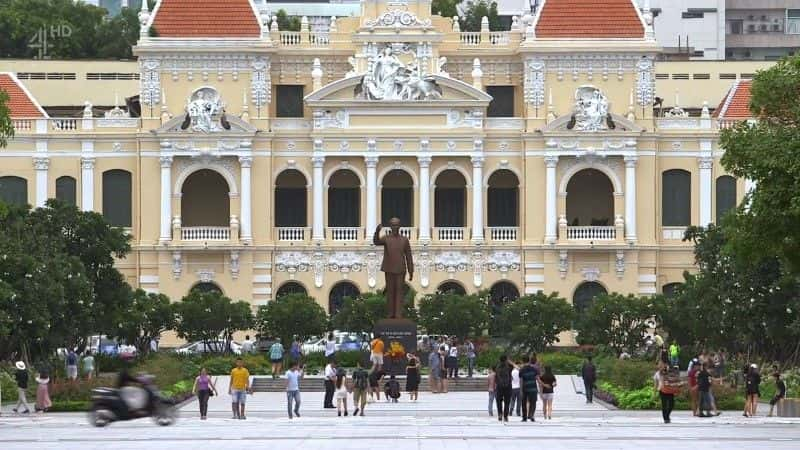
(444, 363)
(43, 402)
(518, 384)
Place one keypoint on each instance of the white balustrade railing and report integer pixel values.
(344, 233)
(205, 233)
(673, 233)
(23, 125)
(63, 124)
(408, 232)
(470, 38)
(320, 39)
(451, 233)
(503, 233)
(292, 233)
(499, 37)
(592, 233)
(290, 37)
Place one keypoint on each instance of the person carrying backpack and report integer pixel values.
(360, 388)
(589, 375)
(503, 396)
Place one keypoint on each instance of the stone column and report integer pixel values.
(245, 215)
(630, 197)
(41, 165)
(477, 198)
(372, 195)
(318, 229)
(705, 163)
(166, 199)
(424, 198)
(551, 199)
(87, 184)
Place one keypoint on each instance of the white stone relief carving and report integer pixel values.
(591, 109)
(150, 83)
(345, 262)
(204, 107)
(477, 268)
(424, 268)
(234, 264)
(292, 262)
(387, 78)
(260, 89)
(329, 119)
(534, 82)
(205, 275)
(645, 82)
(465, 118)
(619, 263)
(503, 261)
(563, 264)
(451, 261)
(397, 18)
(372, 269)
(177, 264)
(590, 273)
(318, 262)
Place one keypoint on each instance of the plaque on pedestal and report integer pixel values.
(399, 338)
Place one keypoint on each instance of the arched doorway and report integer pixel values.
(500, 294)
(205, 200)
(291, 205)
(397, 198)
(450, 205)
(340, 291)
(451, 287)
(205, 287)
(503, 204)
(585, 295)
(344, 205)
(590, 199)
(290, 287)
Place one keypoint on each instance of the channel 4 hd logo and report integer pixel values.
(42, 41)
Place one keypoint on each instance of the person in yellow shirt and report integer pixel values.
(239, 388)
(377, 353)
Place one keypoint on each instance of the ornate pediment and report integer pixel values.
(397, 18)
(205, 114)
(343, 92)
(613, 123)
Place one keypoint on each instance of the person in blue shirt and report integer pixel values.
(276, 357)
(293, 377)
(529, 387)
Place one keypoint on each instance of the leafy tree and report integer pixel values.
(6, 126)
(445, 8)
(453, 314)
(533, 322)
(360, 314)
(292, 315)
(766, 152)
(147, 316)
(474, 13)
(209, 317)
(286, 22)
(618, 321)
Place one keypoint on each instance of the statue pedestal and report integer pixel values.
(399, 338)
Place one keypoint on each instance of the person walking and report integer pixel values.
(293, 377)
(239, 388)
(330, 380)
(72, 365)
(704, 389)
(694, 394)
(516, 400)
(667, 396)
(375, 378)
(204, 388)
(21, 377)
(674, 354)
(780, 392)
(296, 352)
(43, 402)
(753, 390)
(341, 392)
(360, 388)
(444, 350)
(434, 363)
(529, 380)
(330, 347)
(412, 379)
(88, 365)
(469, 348)
(491, 385)
(376, 355)
(503, 397)
(589, 375)
(276, 357)
(549, 384)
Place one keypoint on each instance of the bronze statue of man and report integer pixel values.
(396, 261)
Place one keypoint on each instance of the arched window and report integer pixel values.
(14, 190)
(451, 287)
(590, 199)
(118, 197)
(450, 199)
(501, 293)
(290, 287)
(585, 294)
(344, 199)
(205, 287)
(726, 195)
(205, 200)
(66, 190)
(291, 199)
(671, 289)
(397, 197)
(676, 198)
(342, 290)
(503, 199)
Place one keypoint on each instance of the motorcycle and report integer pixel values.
(131, 402)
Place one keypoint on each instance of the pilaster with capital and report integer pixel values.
(166, 199)
(551, 200)
(87, 184)
(245, 219)
(630, 198)
(477, 198)
(372, 195)
(317, 228)
(41, 165)
(424, 198)
(706, 164)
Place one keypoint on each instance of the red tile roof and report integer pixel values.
(589, 19)
(736, 104)
(206, 18)
(20, 103)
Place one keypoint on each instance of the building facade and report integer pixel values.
(259, 162)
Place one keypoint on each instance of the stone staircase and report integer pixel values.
(317, 384)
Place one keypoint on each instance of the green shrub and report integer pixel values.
(628, 374)
(7, 384)
(108, 363)
(70, 406)
(562, 362)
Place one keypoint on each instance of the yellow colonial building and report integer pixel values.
(258, 161)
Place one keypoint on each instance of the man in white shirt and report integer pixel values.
(515, 391)
(330, 383)
(247, 345)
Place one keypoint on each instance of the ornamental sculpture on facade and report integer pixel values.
(591, 110)
(204, 111)
(387, 78)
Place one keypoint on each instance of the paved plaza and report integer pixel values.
(447, 421)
